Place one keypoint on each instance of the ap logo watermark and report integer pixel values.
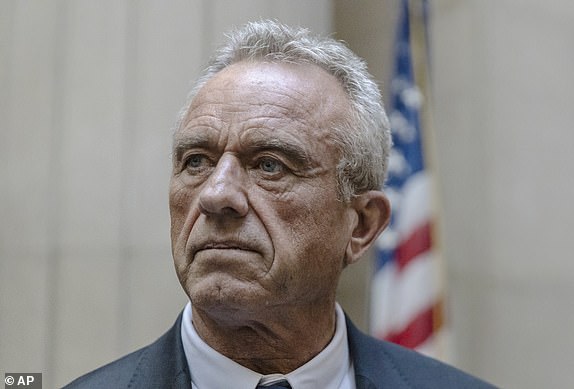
(23, 380)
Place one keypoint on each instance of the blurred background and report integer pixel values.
(89, 92)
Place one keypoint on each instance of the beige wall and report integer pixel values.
(89, 90)
(503, 92)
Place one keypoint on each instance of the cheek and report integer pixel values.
(309, 245)
(310, 223)
(312, 204)
(182, 215)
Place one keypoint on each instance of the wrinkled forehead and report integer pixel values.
(298, 90)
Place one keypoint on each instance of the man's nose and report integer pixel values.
(224, 190)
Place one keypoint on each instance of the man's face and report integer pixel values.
(255, 220)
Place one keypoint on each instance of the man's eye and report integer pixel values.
(270, 165)
(195, 161)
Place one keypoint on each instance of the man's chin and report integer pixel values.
(225, 295)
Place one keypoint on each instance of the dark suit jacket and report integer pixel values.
(377, 365)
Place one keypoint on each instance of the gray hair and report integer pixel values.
(364, 140)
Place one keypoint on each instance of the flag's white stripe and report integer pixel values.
(400, 296)
(382, 304)
(412, 209)
(415, 207)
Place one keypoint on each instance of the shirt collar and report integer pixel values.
(326, 370)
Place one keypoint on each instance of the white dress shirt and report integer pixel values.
(331, 368)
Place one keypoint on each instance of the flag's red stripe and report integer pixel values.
(419, 329)
(418, 242)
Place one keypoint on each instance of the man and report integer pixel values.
(278, 161)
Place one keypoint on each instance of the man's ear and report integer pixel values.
(373, 215)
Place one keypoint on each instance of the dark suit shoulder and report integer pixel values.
(380, 364)
(162, 364)
(116, 374)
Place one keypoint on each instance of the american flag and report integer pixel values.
(406, 302)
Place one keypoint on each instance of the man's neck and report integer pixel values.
(269, 342)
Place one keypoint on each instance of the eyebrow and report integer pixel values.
(294, 152)
(183, 143)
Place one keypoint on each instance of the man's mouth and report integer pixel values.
(219, 246)
(224, 246)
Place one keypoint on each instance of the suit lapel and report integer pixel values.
(163, 364)
(372, 364)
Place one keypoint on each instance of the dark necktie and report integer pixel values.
(278, 385)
